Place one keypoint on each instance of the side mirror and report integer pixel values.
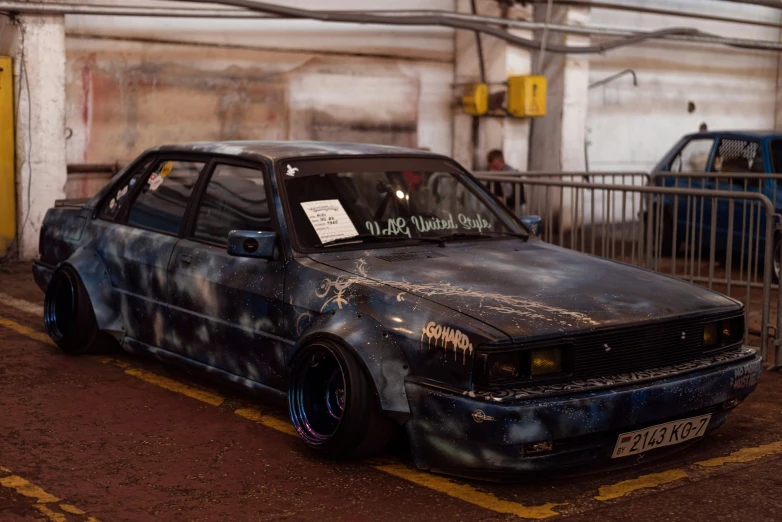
(251, 243)
(534, 223)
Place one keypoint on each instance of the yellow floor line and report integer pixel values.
(26, 331)
(48, 513)
(174, 386)
(27, 489)
(653, 480)
(468, 493)
(267, 420)
(743, 455)
(73, 510)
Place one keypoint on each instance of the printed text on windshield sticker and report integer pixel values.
(329, 219)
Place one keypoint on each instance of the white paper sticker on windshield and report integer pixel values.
(329, 219)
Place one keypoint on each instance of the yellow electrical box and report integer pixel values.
(476, 101)
(527, 96)
(7, 177)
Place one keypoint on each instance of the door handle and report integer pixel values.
(186, 259)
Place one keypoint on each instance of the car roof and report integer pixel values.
(277, 150)
(756, 134)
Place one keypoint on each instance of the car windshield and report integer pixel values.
(377, 201)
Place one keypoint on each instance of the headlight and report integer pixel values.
(725, 332)
(522, 365)
(503, 366)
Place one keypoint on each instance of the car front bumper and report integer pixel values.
(582, 423)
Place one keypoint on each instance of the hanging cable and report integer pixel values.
(544, 38)
(479, 45)
(457, 23)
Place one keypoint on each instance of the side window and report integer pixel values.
(694, 157)
(161, 203)
(742, 157)
(234, 199)
(119, 197)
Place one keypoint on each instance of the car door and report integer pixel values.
(227, 311)
(140, 225)
(740, 156)
(694, 156)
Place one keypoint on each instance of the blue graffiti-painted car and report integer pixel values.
(375, 287)
(734, 156)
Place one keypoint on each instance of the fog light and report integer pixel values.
(545, 362)
(730, 403)
(536, 448)
(711, 335)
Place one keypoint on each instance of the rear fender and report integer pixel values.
(380, 355)
(95, 277)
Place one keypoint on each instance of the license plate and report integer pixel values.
(667, 434)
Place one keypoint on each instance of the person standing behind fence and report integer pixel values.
(506, 192)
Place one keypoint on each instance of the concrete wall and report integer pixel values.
(630, 128)
(137, 82)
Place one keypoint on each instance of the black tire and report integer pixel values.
(665, 244)
(333, 404)
(68, 315)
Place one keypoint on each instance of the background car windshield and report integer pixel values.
(333, 200)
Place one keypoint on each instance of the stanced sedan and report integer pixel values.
(378, 289)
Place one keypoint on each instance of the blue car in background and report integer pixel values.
(721, 152)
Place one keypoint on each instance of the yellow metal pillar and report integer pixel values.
(7, 172)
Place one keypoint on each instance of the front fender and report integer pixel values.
(89, 265)
(374, 347)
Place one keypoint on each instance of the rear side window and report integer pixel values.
(119, 197)
(162, 200)
(694, 157)
(234, 199)
(740, 156)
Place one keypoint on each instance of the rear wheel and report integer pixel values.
(68, 315)
(333, 404)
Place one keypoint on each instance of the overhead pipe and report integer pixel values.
(660, 12)
(471, 25)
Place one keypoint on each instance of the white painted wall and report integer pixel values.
(40, 147)
(290, 79)
(630, 128)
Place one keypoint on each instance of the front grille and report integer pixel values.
(638, 348)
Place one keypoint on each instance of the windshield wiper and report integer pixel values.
(479, 235)
(373, 238)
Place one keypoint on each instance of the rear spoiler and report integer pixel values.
(71, 203)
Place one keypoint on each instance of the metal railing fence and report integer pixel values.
(680, 231)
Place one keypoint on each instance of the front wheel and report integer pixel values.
(333, 404)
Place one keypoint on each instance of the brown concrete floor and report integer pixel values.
(120, 448)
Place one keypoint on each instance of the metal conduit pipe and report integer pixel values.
(660, 12)
(415, 18)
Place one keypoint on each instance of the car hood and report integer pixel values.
(529, 289)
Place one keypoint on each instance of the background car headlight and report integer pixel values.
(503, 366)
(725, 332)
(545, 362)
